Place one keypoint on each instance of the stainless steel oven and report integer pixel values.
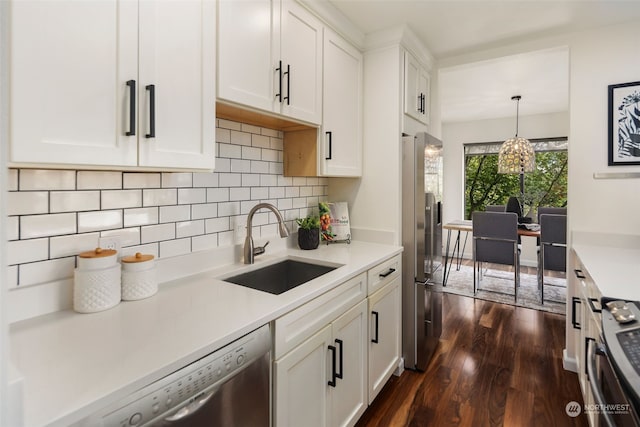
(613, 369)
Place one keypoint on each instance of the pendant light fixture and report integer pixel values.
(516, 154)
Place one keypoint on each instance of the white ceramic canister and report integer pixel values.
(96, 284)
(139, 279)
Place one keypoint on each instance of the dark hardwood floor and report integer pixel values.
(496, 365)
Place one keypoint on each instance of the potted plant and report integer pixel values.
(309, 232)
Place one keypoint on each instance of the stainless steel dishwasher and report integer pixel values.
(229, 387)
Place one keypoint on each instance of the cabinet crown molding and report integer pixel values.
(334, 19)
(404, 36)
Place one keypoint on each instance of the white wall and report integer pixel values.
(455, 135)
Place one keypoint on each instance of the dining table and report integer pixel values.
(466, 226)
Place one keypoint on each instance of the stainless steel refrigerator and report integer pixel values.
(422, 255)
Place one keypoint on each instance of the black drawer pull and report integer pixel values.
(375, 339)
(574, 320)
(288, 73)
(593, 307)
(152, 111)
(340, 359)
(330, 144)
(279, 70)
(391, 270)
(132, 107)
(332, 382)
(579, 274)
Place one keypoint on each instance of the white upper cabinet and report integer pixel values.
(340, 152)
(81, 78)
(416, 89)
(270, 57)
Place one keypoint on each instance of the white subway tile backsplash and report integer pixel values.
(140, 180)
(56, 214)
(260, 141)
(157, 233)
(177, 179)
(118, 199)
(45, 271)
(74, 201)
(250, 153)
(175, 213)
(223, 136)
(204, 210)
(230, 151)
(22, 251)
(230, 180)
(177, 247)
(64, 246)
(13, 228)
(27, 203)
(99, 220)
(215, 225)
(228, 208)
(205, 179)
(189, 228)
(99, 180)
(240, 193)
(240, 166)
(44, 179)
(250, 128)
(141, 216)
(258, 166)
(127, 236)
(191, 195)
(160, 197)
(240, 138)
(217, 194)
(47, 225)
(12, 180)
(204, 242)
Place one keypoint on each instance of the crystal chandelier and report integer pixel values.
(516, 154)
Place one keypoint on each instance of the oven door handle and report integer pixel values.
(592, 351)
(192, 407)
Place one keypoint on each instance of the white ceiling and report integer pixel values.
(483, 90)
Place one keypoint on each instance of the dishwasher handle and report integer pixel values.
(192, 407)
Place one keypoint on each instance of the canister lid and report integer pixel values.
(98, 253)
(138, 257)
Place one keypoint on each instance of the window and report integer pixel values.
(546, 186)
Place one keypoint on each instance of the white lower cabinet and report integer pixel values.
(384, 335)
(322, 382)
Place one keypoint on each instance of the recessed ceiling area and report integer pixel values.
(483, 90)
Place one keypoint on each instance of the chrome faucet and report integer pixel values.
(249, 251)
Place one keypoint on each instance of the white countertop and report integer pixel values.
(615, 270)
(74, 364)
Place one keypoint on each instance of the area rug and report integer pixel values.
(497, 286)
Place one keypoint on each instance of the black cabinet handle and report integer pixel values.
(375, 339)
(419, 103)
(593, 307)
(152, 111)
(574, 320)
(279, 70)
(391, 270)
(288, 73)
(339, 374)
(330, 144)
(423, 103)
(332, 382)
(579, 274)
(132, 107)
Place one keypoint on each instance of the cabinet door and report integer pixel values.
(384, 336)
(412, 102)
(248, 43)
(349, 397)
(423, 91)
(177, 57)
(301, 376)
(341, 150)
(69, 64)
(301, 54)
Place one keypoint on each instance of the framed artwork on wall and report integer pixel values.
(624, 124)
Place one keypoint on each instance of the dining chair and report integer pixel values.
(495, 208)
(542, 210)
(495, 240)
(552, 255)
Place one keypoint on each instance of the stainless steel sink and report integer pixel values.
(280, 277)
